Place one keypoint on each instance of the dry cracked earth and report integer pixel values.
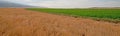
(21, 22)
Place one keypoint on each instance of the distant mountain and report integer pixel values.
(5, 4)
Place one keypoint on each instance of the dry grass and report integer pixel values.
(21, 22)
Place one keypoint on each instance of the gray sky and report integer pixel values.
(69, 3)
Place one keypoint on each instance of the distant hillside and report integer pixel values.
(4, 4)
(106, 7)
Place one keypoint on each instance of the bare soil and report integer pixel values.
(21, 22)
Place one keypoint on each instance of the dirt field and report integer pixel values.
(21, 22)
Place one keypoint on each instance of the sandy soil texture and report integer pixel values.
(21, 22)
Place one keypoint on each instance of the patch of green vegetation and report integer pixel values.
(95, 13)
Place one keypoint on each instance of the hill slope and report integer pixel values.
(21, 22)
(4, 4)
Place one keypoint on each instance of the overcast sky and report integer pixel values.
(69, 3)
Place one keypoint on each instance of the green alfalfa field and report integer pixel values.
(104, 14)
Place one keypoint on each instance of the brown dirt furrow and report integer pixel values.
(21, 22)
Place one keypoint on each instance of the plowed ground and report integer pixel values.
(21, 22)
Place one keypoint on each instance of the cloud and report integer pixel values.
(77, 3)
(18, 1)
(62, 3)
(70, 3)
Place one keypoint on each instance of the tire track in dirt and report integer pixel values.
(21, 22)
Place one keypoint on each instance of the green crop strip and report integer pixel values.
(96, 13)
